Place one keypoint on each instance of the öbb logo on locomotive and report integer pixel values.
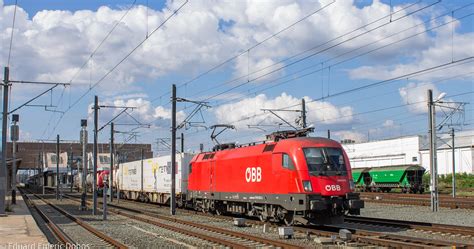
(333, 187)
(253, 174)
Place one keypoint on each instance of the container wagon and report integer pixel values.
(153, 183)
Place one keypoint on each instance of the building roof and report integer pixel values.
(444, 141)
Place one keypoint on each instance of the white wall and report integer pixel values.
(463, 160)
(400, 151)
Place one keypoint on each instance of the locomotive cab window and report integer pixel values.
(286, 162)
(325, 161)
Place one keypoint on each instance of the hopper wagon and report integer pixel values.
(407, 178)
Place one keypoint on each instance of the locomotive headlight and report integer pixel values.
(352, 185)
(307, 186)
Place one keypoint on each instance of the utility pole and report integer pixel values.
(72, 175)
(433, 153)
(173, 151)
(94, 181)
(182, 142)
(454, 165)
(303, 113)
(111, 162)
(121, 177)
(104, 197)
(141, 170)
(83, 139)
(57, 167)
(14, 136)
(329, 134)
(3, 169)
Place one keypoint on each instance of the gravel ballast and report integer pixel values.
(460, 217)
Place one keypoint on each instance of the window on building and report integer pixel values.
(414, 159)
(104, 159)
(54, 159)
(286, 162)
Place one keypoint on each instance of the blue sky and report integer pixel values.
(51, 45)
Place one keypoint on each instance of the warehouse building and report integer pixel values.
(414, 150)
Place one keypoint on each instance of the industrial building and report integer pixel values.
(414, 150)
(41, 157)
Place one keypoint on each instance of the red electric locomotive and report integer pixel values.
(291, 178)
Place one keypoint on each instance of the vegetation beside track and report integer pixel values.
(464, 183)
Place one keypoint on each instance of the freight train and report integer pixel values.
(407, 178)
(289, 178)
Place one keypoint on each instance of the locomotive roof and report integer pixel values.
(305, 141)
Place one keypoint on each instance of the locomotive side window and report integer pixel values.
(190, 168)
(325, 161)
(286, 162)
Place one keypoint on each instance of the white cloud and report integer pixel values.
(415, 95)
(248, 111)
(352, 135)
(389, 128)
(388, 123)
(143, 112)
(438, 50)
(52, 45)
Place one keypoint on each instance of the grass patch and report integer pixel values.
(464, 183)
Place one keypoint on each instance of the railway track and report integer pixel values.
(58, 221)
(212, 234)
(424, 226)
(417, 200)
(359, 235)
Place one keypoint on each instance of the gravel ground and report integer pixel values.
(77, 233)
(299, 239)
(134, 234)
(461, 217)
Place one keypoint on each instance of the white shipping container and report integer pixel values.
(156, 174)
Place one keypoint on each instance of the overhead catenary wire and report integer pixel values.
(11, 34)
(377, 83)
(245, 51)
(294, 76)
(119, 63)
(314, 53)
(365, 112)
(83, 66)
(319, 69)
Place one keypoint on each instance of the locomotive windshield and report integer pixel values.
(325, 161)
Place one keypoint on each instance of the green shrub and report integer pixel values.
(463, 180)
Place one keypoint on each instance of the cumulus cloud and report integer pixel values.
(143, 112)
(352, 135)
(416, 97)
(248, 111)
(52, 45)
(438, 50)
